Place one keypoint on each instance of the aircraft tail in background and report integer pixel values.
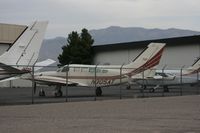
(195, 68)
(23, 54)
(25, 51)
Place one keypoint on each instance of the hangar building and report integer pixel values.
(179, 51)
(9, 34)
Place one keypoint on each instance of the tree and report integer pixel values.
(78, 49)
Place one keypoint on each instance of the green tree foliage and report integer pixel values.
(78, 49)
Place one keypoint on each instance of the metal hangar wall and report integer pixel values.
(179, 51)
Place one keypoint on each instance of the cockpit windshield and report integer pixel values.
(59, 69)
(62, 69)
(161, 74)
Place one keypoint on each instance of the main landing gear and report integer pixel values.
(98, 91)
(128, 87)
(42, 93)
(166, 89)
(58, 92)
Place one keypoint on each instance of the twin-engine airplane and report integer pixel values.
(23, 54)
(102, 75)
(166, 78)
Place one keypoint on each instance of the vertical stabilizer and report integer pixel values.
(195, 68)
(24, 52)
(147, 60)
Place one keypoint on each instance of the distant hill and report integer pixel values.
(115, 34)
(51, 48)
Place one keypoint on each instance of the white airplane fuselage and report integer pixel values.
(170, 78)
(89, 75)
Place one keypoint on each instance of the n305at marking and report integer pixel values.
(102, 82)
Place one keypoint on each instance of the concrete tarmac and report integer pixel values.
(23, 96)
(179, 114)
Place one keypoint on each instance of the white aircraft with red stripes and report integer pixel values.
(166, 78)
(103, 75)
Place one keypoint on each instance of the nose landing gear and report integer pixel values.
(98, 91)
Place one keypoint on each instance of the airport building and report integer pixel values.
(9, 34)
(179, 51)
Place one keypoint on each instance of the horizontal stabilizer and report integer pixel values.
(42, 64)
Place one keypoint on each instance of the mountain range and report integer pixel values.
(51, 48)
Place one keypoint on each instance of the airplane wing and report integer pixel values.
(50, 80)
(9, 79)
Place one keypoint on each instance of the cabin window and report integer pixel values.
(92, 70)
(76, 69)
(84, 69)
(104, 71)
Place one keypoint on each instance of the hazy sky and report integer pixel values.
(65, 16)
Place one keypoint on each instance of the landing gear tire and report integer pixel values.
(166, 89)
(144, 87)
(152, 90)
(128, 87)
(98, 91)
(42, 93)
(58, 93)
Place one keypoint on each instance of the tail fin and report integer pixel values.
(195, 68)
(146, 61)
(24, 52)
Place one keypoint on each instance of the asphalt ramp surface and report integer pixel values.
(143, 115)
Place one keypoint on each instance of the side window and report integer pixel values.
(92, 70)
(76, 69)
(84, 69)
(104, 71)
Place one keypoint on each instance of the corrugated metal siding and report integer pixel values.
(174, 56)
(9, 33)
(3, 48)
(179, 51)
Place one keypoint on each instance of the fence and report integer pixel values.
(87, 83)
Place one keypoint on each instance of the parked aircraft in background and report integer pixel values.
(102, 75)
(23, 54)
(166, 78)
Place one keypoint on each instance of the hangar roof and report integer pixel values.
(169, 41)
(10, 32)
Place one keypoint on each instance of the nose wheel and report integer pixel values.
(166, 89)
(98, 91)
(58, 93)
(42, 93)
